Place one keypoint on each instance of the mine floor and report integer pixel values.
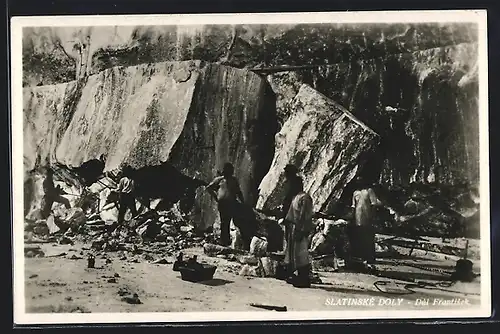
(61, 282)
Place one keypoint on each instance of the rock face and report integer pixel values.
(47, 113)
(132, 115)
(187, 118)
(238, 46)
(423, 104)
(415, 85)
(427, 69)
(325, 142)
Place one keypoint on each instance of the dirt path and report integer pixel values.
(62, 284)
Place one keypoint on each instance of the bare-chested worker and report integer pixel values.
(226, 189)
(126, 188)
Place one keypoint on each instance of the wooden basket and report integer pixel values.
(204, 272)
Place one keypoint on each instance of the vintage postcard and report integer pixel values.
(305, 166)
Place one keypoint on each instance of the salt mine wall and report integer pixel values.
(132, 115)
(232, 119)
(428, 69)
(47, 113)
(191, 116)
(416, 87)
(430, 133)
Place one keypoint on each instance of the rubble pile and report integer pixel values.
(164, 231)
(431, 211)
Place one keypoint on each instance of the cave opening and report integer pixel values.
(168, 184)
(159, 182)
(90, 171)
(261, 136)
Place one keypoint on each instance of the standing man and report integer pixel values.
(51, 194)
(298, 223)
(364, 201)
(125, 190)
(226, 189)
(293, 185)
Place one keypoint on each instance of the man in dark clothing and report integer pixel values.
(125, 190)
(226, 189)
(51, 194)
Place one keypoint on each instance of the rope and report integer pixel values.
(377, 283)
(420, 284)
(422, 267)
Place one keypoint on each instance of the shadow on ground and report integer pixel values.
(216, 282)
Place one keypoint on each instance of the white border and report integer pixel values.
(17, 23)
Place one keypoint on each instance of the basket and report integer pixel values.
(204, 272)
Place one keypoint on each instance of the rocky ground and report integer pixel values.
(133, 269)
(58, 280)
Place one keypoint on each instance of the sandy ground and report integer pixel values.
(61, 282)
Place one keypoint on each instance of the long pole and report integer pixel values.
(284, 68)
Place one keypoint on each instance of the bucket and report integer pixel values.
(203, 272)
(91, 262)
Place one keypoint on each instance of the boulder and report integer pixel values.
(248, 259)
(320, 244)
(33, 251)
(236, 239)
(186, 228)
(253, 271)
(169, 229)
(258, 246)
(149, 229)
(34, 215)
(325, 263)
(109, 213)
(269, 266)
(332, 238)
(75, 217)
(326, 142)
(215, 250)
(41, 227)
(52, 225)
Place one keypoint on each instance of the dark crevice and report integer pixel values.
(166, 183)
(262, 139)
(90, 171)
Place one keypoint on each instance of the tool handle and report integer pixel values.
(270, 307)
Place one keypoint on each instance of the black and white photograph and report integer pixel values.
(210, 167)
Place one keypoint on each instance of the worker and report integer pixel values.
(299, 225)
(364, 201)
(292, 186)
(226, 189)
(51, 194)
(125, 189)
